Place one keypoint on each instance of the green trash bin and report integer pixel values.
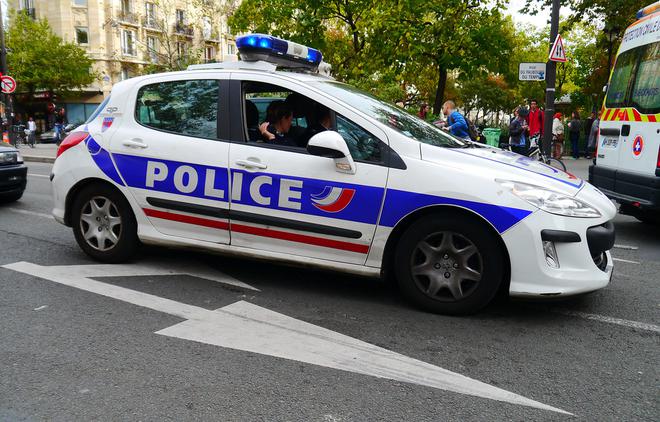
(492, 136)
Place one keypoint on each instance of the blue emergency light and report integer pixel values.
(255, 47)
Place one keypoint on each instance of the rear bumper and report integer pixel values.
(13, 179)
(626, 187)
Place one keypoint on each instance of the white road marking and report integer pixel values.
(248, 327)
(40, 308)
(627, 247)
(626, 260)
(28, 212)
(45, 176)
(609, 320)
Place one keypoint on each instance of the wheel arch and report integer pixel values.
(408, 220)
(75, 190)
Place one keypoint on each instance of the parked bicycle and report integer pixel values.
(535, 152)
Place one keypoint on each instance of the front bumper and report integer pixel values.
(582, 251)
(626, 187)
(13, 179)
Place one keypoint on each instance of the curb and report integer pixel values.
(38, 159)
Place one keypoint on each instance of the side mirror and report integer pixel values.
(330, 144)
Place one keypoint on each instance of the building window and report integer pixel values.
(180, 21)
(81, 3)
(125, 74)
(128, 42)
(152, 49)
(82, 35)
(126, 6)
(181, 49)
(231, 49)
(150, 9)
(207, 28)
(25, 4)
(209, 53)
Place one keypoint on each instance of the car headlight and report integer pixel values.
(550, 201)
(10, 157)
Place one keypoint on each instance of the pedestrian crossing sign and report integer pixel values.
(558, 52)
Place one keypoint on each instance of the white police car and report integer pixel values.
(179, 159)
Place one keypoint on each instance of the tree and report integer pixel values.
(39, 59)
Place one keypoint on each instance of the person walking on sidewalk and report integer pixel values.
(518, 133)
(557, 136)
(535, 119)
(32, 131)
(574, 127)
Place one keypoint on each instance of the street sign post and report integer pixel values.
(531, 71)
(8, 84)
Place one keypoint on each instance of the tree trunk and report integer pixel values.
(440, 90)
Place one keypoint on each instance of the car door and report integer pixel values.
(168, 149)
(285, 200)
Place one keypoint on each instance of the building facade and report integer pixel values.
(125, 38)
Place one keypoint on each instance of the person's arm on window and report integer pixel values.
(263, 128)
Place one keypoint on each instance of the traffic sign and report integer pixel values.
(531, 71)
(8, 84)
(558, 52)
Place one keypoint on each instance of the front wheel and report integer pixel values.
(449, 264)
(104, 224)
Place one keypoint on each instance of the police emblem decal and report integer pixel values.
(333, 199)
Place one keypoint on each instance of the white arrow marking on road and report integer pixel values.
(248, 327)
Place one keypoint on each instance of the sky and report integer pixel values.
(539, 20)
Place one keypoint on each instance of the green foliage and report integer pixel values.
(39, 59)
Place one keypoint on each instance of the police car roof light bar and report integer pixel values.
(253, 47)
(650, 9)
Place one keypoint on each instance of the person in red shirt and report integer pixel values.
(535, 119)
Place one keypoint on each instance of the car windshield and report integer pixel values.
(399, 120)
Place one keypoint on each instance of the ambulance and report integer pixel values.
(360, 186)
(627, 164)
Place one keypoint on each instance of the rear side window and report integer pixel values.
(98, 109)
(646, 91)
(621, 78)
(182, 107)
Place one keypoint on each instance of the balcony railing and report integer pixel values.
(128, 17)
(181, 29)
(213, 36)
(152, 23)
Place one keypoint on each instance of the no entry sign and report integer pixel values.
(8, 84)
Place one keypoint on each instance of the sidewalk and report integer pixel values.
(41, 153)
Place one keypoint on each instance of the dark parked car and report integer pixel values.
(13, 174)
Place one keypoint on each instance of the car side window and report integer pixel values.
(363, 145)
(182, 107)
(646, 91)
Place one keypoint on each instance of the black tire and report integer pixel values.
(649, 217)
(114, 249)
(432, 229)
(5, 199)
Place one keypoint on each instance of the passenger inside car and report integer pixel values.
(277, 131)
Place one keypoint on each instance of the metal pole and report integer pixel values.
(551, 73)
(5, 98)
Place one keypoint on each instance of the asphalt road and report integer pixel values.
(71, 354)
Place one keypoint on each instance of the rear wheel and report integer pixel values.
(449, 264)
(104, 224)
(11, 198)
(648, 217)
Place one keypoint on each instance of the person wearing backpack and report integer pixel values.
(456, 123)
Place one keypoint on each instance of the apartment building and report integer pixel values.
(123, 37)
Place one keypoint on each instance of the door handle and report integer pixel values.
(134, 143)
(250, 163)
